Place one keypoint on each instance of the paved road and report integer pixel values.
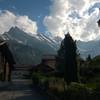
(20, 89)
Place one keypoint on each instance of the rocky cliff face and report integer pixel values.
(28, 49)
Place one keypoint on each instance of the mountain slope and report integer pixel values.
(91, 47)
(28, 49)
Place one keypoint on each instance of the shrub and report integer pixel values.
(77, 91)
(97, 91)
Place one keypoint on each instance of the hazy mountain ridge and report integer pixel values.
(28, 49)
(90, 47)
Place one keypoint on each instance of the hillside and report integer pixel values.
(28, 49)
(90, 47)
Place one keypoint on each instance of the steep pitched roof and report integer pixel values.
(4, 49)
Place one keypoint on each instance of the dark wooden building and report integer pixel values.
(47, 65)
(49, 60)
(6, 61)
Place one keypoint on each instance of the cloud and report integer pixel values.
(73, 16)
(14, 7)
(9, 19)
(56, 22)
(85, 28)
(26, 24)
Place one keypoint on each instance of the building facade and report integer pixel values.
(6, 61)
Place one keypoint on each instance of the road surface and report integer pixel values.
(20, 89)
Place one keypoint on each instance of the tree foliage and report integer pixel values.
(98, 22)
(67, 63)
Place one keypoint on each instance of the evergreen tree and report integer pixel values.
(88, 59)
(67, 62)
(98, 22)
(60, 59)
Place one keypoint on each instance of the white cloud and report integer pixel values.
(26, 24)
(56, 22)
(9, 19)
(68, 15)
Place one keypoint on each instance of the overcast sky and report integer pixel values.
(57, 17)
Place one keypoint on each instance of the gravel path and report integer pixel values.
(20, 89)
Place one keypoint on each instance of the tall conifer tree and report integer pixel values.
(67, 59)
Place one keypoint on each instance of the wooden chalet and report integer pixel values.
(6, 61)
(47, 64)
(49, 60)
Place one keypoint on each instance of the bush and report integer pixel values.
(38, 78)
(97, 91)
(56, 84)
(78, 91)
